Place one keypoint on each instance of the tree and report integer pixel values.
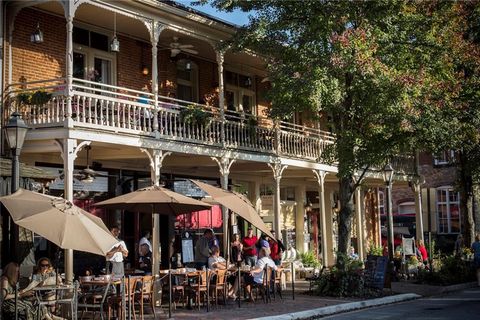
(377, 69)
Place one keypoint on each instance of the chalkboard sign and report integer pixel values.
(187, 251)
(375, 270)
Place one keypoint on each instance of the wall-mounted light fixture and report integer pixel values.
(115, 44)
(188, 65)
(145, 70)
(308, 206)
(248, 81)
(37, 35)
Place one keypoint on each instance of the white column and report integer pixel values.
(417, 189)
(221, 92)
(359, 221)
(68, 151)
(300, 193)
(156, 158)
(224, 165)
(320, 175)
(154, 36)
(277, 169)
(69, 66)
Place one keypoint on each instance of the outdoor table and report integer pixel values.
(60, 291)
(103, 281)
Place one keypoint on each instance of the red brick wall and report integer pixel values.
(38, 61)
(132, 56)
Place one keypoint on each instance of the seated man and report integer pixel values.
(215, 261)
(145, 260)
(256, 274)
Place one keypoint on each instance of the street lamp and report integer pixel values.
(15, 131)
(388, 178)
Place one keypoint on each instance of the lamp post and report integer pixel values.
(387, 178)
(15, 131)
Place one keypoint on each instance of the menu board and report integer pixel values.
(187, 251)
(408, 246)
(375, 270)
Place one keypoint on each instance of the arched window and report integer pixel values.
(448, 210)
(187, 80)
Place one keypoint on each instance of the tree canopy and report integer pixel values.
(391, 76)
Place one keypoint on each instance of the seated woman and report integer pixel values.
(26, 306)
(45, 274)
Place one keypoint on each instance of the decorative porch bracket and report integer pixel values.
(224, 165)
(277, 169)
(320, 176)
(156, 158)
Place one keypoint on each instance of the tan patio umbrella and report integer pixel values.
(155, 199)
(59, 221)
(237, 203)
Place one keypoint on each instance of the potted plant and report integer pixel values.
(40, 97)
(193, 114)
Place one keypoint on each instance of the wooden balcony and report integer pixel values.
(107, 108)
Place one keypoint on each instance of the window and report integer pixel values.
(444, 157)
(381, 202)
(448, 210)
(239, 94)
(187, 80)
(91, 58)
(407, 207)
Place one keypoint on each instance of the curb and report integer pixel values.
(430, 290)
(344, 307)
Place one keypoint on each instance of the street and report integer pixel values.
(462, 305)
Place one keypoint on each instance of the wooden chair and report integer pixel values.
(146, 294)
(115, 302)
(277, 282)
(219, 285)
(199, 286)
(264, 287)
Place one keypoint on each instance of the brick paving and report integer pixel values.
(250, 310)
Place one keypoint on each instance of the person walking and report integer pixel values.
(423, 251)
(116, 255)
(476, 256)
(249, 249)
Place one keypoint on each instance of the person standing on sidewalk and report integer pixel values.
(476, 256)
(116, 255)
(249, 249)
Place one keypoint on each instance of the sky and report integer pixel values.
(237, 17)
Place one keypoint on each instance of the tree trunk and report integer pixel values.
(466, 200)
(345, 214)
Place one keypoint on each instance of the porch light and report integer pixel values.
(145, 70)
(308, 206)
(188, 65)
(37, 35)
(87, 179)
(115, 44)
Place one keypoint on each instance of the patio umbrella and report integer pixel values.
(154, 199)
(237, 203)
(59, 221)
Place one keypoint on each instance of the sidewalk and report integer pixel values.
(307, 306)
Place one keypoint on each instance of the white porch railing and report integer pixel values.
(121, 110)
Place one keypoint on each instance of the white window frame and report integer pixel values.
(444, 157)
(91, 54)
(239, 92)
(447, 203)
(381, 202)
(193, 83)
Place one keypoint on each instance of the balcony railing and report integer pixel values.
(108, 108)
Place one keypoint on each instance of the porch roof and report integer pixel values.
(26, 171)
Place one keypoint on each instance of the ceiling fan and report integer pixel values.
(88, 174)
(176, 47)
